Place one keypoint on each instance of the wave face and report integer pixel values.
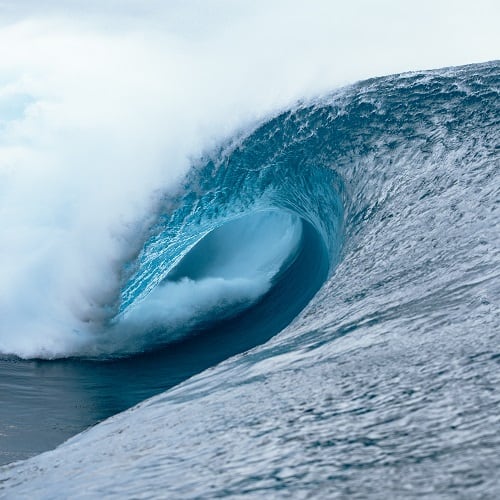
(383, 196)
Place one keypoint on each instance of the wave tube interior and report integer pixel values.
(223, 274)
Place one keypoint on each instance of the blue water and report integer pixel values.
(353, 246)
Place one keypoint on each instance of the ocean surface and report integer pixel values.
(313, 313)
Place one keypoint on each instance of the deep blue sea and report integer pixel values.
(313, 313)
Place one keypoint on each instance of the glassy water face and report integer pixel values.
(386, 384)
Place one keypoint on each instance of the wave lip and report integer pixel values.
(244, 217)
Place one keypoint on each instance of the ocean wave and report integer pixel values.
(380, 203)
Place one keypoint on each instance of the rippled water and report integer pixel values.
(387, 383)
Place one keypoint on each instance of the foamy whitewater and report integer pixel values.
(209, 203)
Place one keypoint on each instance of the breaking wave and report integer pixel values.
(359, 231)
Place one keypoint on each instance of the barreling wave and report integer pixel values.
(257, 217)
(270, 209)
(377, 208)
(246, 212)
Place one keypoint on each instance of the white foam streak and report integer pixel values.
(171, 311)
